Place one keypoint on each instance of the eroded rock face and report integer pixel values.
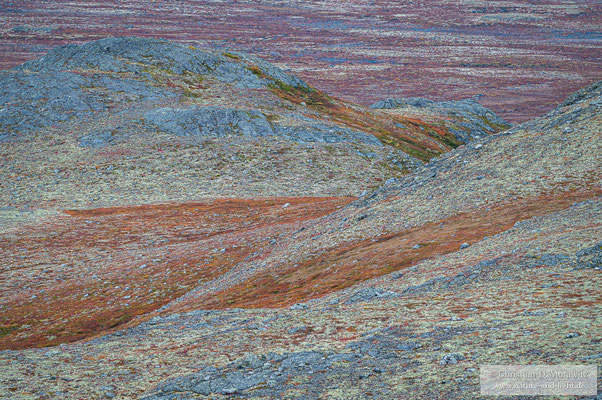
(76, 81)
(31, 101)
(209, 121)
(219, 121)
(590, 92)
(402, 102)
(268, 370)
(269, 374)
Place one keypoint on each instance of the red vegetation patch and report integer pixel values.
(345, 266)
(92, 270)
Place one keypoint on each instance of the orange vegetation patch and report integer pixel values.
(413, 136)
(91, 270)
(347, 265)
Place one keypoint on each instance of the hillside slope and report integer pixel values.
(540, 166)
(136, 121)
(154, 132)
(488, 254)
(466, 119)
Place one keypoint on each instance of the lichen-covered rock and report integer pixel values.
(134, 54)
(590, 92)
(403, 102)
(77, 80)
(219, 122)
(30, 101)
(590, 257)
(103, 137)
(370, 293)
(209, 121)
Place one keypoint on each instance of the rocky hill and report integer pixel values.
(144, 121)
(483, 253)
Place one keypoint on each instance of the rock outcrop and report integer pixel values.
(466, 118)
(219, 122)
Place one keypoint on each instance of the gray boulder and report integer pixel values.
(452, 358)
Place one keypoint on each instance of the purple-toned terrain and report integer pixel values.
(189, 221)
(520, 57)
